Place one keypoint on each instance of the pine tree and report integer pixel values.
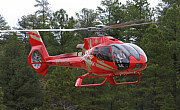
(21, 89)
(2, 107)
(137, 9)
(44, 12)
(3, 26)
(171, 2)
(59, 19)
(170, 26)
(86, 18)
(3, 23)
(28, 22)
(60, 91)
(158, 75)
(113, 12)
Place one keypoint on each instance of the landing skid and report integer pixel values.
(110, 78)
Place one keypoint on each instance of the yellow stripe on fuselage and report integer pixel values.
(36, 38)
(102, 67)
(106, 65)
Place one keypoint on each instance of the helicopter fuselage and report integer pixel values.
(101, 56)
(104, 55)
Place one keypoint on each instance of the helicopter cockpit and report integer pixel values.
(121, 56)
(103, 53)
(120, 53)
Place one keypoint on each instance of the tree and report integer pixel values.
(2, 107)
(32, 22)
(60, 91)
(44, 12)
(171, 2)
(113, 12)
(158, 72)
(170, 25)
(67, 41)
(21, 89)
(3, 24)
(86, 18)
(27, 22)
(137, 9)
(59, 19)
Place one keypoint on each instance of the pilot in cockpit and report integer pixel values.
(118, 57)
(121, 56)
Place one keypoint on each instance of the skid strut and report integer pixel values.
(109, 77)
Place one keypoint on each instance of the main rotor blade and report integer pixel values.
(44, 30)
(97, 28)
(124, 24)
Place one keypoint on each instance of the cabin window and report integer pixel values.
(103, 53)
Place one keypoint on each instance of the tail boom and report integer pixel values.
(72, 61)
(40, 60)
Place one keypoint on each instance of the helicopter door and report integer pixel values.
(103, 53)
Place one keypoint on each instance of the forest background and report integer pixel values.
(22, 89)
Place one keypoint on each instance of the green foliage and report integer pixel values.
(28, 22)
(1, 95)
(59, 19)
(158, 70)
(52, 45)
(2, 107)
(3, 23)
(60, 91)
(86, 18)
(44, 12)
(171, 2)
(21, 90)
(170, 22)
(113, 12)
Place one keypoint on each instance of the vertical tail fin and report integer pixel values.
(38, 53)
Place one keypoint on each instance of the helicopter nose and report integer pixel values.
(129, 57)
(136, 65)
(138, 58)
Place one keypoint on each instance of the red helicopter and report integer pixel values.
(101, 56)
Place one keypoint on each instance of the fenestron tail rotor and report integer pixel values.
(36, 57)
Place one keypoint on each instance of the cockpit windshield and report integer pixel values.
(139, 50)
(129, 49)
(122, 52)
(121, 56)
(119, 52)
